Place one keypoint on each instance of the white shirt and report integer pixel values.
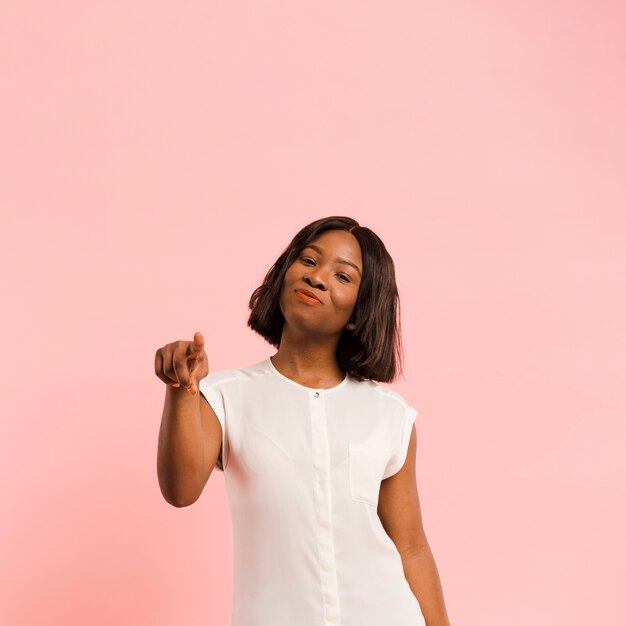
(302, 470)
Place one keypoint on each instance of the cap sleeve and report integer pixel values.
(398, 456)
(215, 398)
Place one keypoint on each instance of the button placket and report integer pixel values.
(323, 509)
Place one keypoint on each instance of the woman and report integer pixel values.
(318, 457)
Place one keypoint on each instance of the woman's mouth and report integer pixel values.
(305, 298)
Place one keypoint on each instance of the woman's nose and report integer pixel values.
(315, 280)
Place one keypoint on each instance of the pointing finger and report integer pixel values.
(197, 346)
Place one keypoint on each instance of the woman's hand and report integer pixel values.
(182, 363)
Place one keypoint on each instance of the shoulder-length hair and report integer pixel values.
(373, 350)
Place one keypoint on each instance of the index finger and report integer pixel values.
(198, 344)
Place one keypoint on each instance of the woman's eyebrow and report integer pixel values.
(338, 259)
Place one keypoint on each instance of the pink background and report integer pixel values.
(156, 159)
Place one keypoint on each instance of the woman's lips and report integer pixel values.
(305, 298)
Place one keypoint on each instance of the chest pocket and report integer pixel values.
(366, 468)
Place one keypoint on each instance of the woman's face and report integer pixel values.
(325, 268)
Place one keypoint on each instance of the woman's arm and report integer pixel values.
(400, 514)
(187, 448)
(421, 573)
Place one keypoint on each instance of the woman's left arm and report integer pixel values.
(400, 514)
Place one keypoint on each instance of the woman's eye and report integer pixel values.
(346, 278)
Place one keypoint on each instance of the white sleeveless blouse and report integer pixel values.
(302, 470)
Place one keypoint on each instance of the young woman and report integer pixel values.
(318, 456)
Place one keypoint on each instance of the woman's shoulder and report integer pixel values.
(234, 375)
(382, 392)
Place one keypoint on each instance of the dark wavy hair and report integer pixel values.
(373, 350)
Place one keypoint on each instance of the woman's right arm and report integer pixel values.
(190, 435)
